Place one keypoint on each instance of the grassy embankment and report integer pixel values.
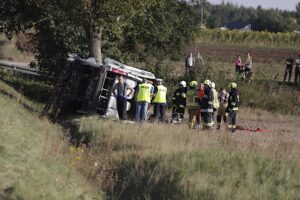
(169, 161)
(164, 161)
(129, 161)
(34, 159)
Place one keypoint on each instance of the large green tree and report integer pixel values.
(120, 27)
(93, 16)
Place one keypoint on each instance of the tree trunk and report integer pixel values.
(94, 34)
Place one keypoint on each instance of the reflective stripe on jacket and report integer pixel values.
(207, 101)
(192, 99)
(233, 100)
(179, 97)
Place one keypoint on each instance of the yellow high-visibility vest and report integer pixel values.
(161, 95)
(144, 93)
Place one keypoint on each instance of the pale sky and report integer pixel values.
(280, 4)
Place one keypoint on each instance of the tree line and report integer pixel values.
(272, 20)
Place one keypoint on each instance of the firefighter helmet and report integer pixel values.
(213, 85)
(183, 83)
(207, 82)
(232, 85)
(193, 83)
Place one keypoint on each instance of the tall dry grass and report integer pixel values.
(164, 161)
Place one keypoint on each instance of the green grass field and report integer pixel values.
(147, 161)
(34, 158)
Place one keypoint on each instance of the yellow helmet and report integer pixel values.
(207, 82)
(193, 83)
(232, 85)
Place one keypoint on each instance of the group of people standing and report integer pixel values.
(145, 94)
(289, 69)
(239, 67)
(203, 102)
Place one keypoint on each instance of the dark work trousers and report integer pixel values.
(237, 68)
(219, 118)
(247, 70)
(159, 111)
(232, 119)
(207, 119)
(297, 74)
(178, 110)
(189, 72)
(288, 72)
(121, 106)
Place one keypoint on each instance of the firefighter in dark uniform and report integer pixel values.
(206, 106)
(179, 101)
(192, 103)
(233, 106)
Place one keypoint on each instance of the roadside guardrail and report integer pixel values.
(19, 68)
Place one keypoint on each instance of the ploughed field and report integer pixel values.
(228, 53)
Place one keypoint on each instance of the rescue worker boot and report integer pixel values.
(206, 128)
(218, 126)
(230, 128)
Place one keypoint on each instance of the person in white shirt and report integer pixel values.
(189, 63)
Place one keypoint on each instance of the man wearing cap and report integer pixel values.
(143, 98)
(120, 92)
(159, 100)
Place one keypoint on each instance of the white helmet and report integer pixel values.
(213, 85)
(183, 83)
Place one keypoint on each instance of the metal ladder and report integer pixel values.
(105, 93)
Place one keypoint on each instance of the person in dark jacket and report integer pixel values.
(206, 106)
(297, 69)
(223, 99)
(179, 101)
(289, 68)
(233, 106)
(120, 92)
